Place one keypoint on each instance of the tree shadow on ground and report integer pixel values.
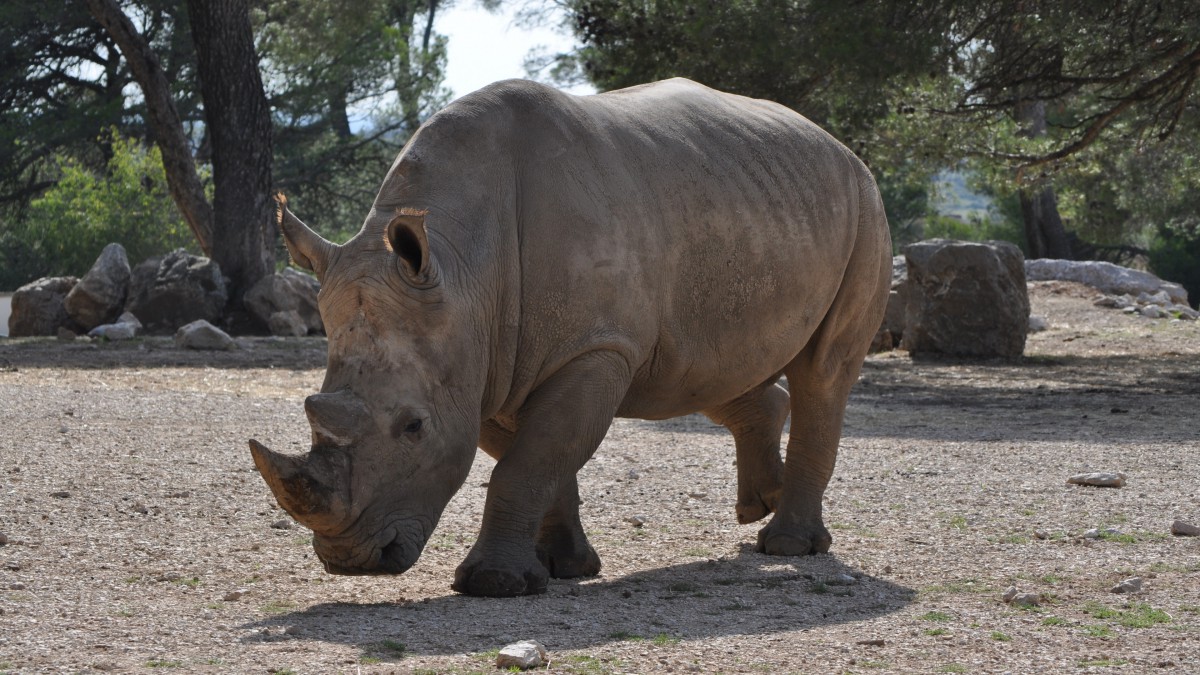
(748, 594)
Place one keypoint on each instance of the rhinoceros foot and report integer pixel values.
(490, 579)
(776, 539)
(758, 504)
(568, 557)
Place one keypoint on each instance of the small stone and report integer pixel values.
(1153, 312)
(169, 576)
(140, 508)
(233, 596)
(1026, 600)
(839, 580)
(291, 630)
(201, 334)
(871, 643)
(1178, 528)
(3, 539)
(633, 475)
(636, 521)
(1130, 585)
(697, 495)
(13, 566)
(525, 654)
(65, 334)
(282, 524)
(1010, 593)
(61, 494)
(16, 586)
(1098, 479)
(1041, 534)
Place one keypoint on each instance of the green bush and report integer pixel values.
(63, 231)
(1175, 256)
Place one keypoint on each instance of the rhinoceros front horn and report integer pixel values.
(307, 487)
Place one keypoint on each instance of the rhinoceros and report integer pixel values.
(536, 264)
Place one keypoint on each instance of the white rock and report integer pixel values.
(1104, 277)
(1130, 585)
(525, 654)
(1038, 324)
(1098, 479)
(116, 331)
(201, 334)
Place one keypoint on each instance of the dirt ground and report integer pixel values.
(139, 536)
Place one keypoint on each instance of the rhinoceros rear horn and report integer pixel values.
(337, 418)
(308, 249)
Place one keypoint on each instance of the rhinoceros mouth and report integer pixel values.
(394, 557)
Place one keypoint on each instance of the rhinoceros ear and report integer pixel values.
(308, 249)
(407, 238)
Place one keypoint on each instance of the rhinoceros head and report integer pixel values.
(393, 429)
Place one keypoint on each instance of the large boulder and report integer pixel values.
(182, 288)
(1105, 277)
(966, 299)
(37, 307)
(100, 295)
(893, 319)
(286, 302)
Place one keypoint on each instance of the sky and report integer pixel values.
(484, 47)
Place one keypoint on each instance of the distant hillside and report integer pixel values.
(953, 198)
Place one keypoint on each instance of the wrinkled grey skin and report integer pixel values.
(537, 263)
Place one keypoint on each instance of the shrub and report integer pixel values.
(64, 230)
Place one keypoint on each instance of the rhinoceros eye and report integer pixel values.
(407, 426)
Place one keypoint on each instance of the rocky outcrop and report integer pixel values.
(37, 307)
(1105, 277)
(182, 288)
(100, 295)
(966, 299)
(286, 302)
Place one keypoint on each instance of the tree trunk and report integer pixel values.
(1044, 232)
(165, 124)
(238, 123)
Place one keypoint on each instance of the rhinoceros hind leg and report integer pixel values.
(562, 545)
(819, 383)
(756, 421)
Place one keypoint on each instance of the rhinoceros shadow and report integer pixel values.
(747, 594)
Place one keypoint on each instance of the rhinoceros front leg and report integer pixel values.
(558, 429)
(562, 546)
(756, 421)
